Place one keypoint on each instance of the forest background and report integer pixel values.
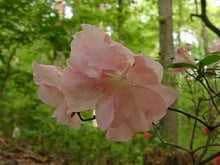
(34, 30)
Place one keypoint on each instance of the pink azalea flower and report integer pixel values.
(50, 92)
(182, 56)
(124, 89)
(215, 47)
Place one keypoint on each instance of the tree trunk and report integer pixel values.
(180, 16)
(205, 38)
(59, 56)
(7, 70)
(120, 21)
(170, 122)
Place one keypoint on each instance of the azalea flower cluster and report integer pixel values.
(182, 56)
(216, 48)
(124, 89)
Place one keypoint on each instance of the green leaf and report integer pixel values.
(214, 53)
(178, 65)
(209, 60)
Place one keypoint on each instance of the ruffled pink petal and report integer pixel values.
(145, 71)
(50, 95)
(139, 106)
(168, 95)
(104, 112)
(47, 74)
(155, 66)
(123, 133)
(83, 47)
(81, 92)
(215, 47)
(139, 121)
(130, 109)
(152, 100)
(182, 55)
(84, 67)
(93, 52)
(74, 122)
(184, 59)
(60, 114)
(66, 117)
(124, 105)
(112, 57)
(86, 41)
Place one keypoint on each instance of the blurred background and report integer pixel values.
(41, 31)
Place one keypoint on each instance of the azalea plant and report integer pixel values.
(126, 89)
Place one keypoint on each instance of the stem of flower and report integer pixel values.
(89, 119)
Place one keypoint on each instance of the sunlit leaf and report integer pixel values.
(209, 60)
(179, 65)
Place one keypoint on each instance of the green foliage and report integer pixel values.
(32, 31)
(178, 65)
(209, 60)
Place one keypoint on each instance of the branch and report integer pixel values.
(198, 161)
(7, 70)
(194, 15)
(167, 143)
(194, 126)
(210, 94)
(209, 86)
(199, 148)
(188, 115)
(210, 127)
(208, 99)
(205, 19)
(210, 157)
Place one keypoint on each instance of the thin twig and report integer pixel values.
(168, 143)
(209, 87)
(211, 96)
(188, 115)
(210, 157)
(201, 147)
(205, 19)
(194, 130)
(198, 161)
